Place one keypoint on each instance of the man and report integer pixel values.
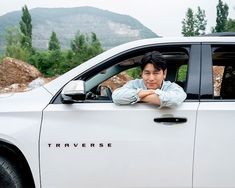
(152, 88)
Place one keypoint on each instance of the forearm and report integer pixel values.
(171, 98)
(144, 93)
(152, 98)
(149, 96)
(125, 96)
(162, 98)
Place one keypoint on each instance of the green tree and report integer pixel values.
(194, 24)
(55, 58)
(221, 18)
(188, 24)
(84, 47)
(79, 43)
(40, 61)
(54, 43)
(13, 44)
(55, 62)
(230, 25)
(95, 46)
(200, 22)
(50, 63)
(134, 72)
(26, 29)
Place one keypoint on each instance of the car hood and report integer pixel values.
(32, 100)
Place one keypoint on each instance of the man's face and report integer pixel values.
(152, 77)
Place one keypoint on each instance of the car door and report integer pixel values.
(99, 144)
(214, 164)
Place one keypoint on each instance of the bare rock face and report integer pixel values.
(13, 72)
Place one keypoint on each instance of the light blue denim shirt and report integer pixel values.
(170, 93)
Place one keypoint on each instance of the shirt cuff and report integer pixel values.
(160, 95)
(137, 99)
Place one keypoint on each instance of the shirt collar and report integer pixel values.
(163, 84)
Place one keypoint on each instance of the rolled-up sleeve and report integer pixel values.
(171, 96)
(128, 94)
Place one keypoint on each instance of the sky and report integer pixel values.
(163, 17)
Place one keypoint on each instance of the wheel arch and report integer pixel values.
(13, 153)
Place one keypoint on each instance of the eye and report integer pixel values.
(147, 73)
(156, 73)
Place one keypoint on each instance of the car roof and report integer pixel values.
(187, 39)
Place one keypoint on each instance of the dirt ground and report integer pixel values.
(16, 75)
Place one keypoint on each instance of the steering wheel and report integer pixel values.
(101, 93)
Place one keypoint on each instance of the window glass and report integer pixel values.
(182, 73)
(224, 72)
(118, 80)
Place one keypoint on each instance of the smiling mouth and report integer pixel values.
(151, 83)
(151, 86)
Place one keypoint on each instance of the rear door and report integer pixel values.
(99, 144)
(214, 164)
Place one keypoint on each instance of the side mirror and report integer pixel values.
(74, 91)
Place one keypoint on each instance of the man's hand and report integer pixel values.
(149, 96)
(145, 93)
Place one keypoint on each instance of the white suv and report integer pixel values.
(70, 134)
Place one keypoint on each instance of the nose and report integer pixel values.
(151, 77)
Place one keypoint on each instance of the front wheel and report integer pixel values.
(9, 174)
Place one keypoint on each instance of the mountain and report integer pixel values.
(111, 28)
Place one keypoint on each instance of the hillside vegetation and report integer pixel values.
(111, 28)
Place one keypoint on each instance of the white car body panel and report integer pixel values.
(143, 153)
(214, 164)
(20, 116)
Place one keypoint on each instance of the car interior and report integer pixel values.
(223, 58)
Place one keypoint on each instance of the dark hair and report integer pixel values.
(156, 59)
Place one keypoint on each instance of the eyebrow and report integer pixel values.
(150, 71)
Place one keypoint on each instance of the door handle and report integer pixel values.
(170, 120)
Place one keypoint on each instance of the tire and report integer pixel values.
(9, 174)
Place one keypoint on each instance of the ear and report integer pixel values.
(164, 74)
